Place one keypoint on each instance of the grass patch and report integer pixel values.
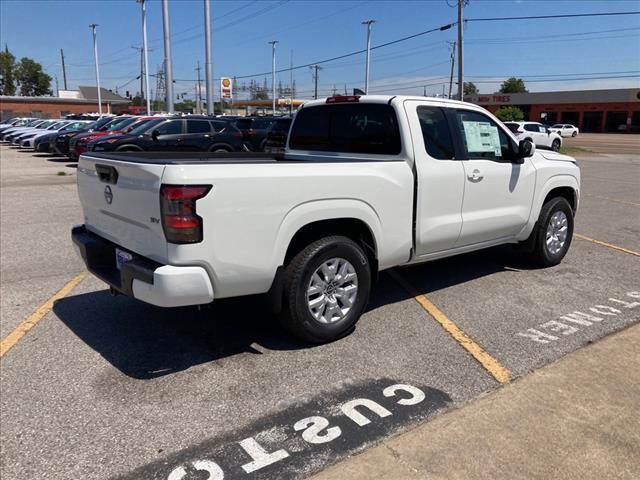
(569, 150)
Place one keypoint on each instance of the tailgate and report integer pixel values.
(121, 202)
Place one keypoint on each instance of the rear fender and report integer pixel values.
(329, 209)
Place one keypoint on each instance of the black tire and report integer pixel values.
(555, 145)
(540, 254)
(296, 316)
(574, 134)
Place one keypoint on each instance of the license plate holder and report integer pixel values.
(122, 257)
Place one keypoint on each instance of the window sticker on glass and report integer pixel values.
(482, 137)
(541, 129)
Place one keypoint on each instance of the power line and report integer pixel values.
(544, 17)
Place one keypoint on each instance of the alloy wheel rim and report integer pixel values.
(332, 290)
(557, 231)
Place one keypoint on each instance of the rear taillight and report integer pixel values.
(178, 207)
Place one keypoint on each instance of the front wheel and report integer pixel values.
(326, 289)
(553, 233)
(574, 134)
(555, 145)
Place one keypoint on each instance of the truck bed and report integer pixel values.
(186, 158)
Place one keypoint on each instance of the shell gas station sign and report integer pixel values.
(226, 88)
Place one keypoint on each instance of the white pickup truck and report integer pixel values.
(366, 184)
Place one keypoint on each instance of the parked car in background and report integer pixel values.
(564, 130)
(15, 122)
(60, 143)
(42, 142)
(277, 135)
(178, 134)
(78, 144)
(536, 132)
(43, 125)
(21, 128)
(26, 139)
(254, 131)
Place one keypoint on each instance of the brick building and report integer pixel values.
(84, 100)
(614, 110)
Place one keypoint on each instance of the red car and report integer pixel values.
(118, 126)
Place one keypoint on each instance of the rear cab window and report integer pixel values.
(367, 128)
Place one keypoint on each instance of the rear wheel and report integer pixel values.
(553, 233)
(219, 150)
(574, 133)
(555, 145)
(326, 289)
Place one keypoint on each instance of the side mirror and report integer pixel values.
(155, 134)
(526, 149)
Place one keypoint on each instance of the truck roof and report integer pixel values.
(384, 99)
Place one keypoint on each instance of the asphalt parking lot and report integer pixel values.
(104, 387)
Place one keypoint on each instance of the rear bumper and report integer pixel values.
(142, 278)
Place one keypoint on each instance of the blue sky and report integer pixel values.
(316, 30)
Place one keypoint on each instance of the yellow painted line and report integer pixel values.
(490, 364)
(32, 320)
(611, 199)
(605, 244)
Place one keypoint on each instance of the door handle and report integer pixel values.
(475, 176)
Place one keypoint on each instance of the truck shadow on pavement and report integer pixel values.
(146, 342)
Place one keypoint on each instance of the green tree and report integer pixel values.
(32, 79)
(470, 88)
(513, 85)
(7, 72)
(509, 114)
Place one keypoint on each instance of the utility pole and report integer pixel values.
(208, 63)
(314, 70)
(424, 91)
(57, 86)
(64, 69)
(141, 50)
(199, 92)
(461, 4)
(335, 90)
(273, 73)
(168, 64)
(95, 57)
(145, 54)
(453, 61)
(368, 23)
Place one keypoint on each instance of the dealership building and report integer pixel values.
(614, 110)
(83, 100)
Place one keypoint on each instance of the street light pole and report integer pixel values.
(95, 57)
(145, 53)
(368, 23)
(208, 64)
(273, 73)
(168, 64)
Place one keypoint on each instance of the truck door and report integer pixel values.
(498, 193)
(439, 175)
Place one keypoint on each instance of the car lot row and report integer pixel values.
(147, 133)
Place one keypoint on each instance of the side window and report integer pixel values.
(435, 133)
(172, 127)
(218, 126)
(482, 137)
(530, 127)
(198, 126)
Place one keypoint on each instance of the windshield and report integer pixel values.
(100, 123)
(56, 125)
(78, 126)
(145, 126)
(120, 123)
(45, 124)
